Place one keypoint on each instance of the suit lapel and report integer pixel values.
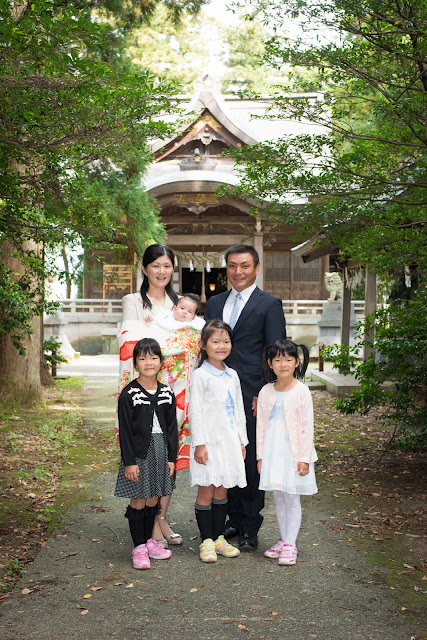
(254, 300)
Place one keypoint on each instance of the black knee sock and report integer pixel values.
(204, 520)
(219, 514)
(136, 525)
(150, 514)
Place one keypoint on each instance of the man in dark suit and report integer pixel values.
(257, 320)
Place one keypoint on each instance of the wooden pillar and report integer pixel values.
(203, 291)
(259, 246)
(292, 260)
(345, 313)
(370, 306)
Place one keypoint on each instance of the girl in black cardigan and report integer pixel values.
(148, 444)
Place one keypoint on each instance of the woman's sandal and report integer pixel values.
(162, 543)
(173, 538)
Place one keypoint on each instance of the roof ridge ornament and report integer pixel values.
(206, 82)
(197, 161)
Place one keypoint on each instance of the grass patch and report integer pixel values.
(49, 458)
(79, 470)
(70, 384)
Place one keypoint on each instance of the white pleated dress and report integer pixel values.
(278, 470)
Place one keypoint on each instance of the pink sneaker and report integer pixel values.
(288, 555)
(274, 552)
(140, 557)
(156, 551)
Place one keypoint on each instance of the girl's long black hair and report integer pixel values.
(210, 328)
(151, 253)
(282, 348)
(144, 346)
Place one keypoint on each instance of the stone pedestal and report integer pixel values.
(109, 341)
(330, 324)
(54, 326)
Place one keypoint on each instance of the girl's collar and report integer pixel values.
(285, 390)
(148, 393)
(214, 370)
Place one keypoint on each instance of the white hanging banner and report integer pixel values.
(208, 266)
(191, 265)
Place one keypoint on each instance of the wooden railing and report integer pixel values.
(114, 307)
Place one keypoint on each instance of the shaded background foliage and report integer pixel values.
(76, 117)
(364, 178)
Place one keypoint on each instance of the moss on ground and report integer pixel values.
(376, 496)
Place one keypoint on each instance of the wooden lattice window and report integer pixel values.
(277, 266)
(306, 271)
(289, 278)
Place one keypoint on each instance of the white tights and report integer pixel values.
(288, 512)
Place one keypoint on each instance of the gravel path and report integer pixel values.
(82, 584)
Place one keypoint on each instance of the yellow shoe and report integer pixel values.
(207, 551)
(226, 549)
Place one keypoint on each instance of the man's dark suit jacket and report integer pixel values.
(260, 323)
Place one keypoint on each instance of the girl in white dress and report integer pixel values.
(218, 438)
(285, 449)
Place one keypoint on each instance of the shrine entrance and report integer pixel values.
(215, 281)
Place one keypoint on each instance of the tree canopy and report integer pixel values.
(176, 52)
(76, 120)
(360, 179)
(365, 174)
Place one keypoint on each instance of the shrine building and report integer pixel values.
(183, 178)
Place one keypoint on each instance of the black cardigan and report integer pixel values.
(136, 409)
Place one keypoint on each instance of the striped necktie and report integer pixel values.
(235, 310)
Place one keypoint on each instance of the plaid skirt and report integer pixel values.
(154, 478)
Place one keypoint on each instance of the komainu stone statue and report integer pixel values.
(333, 284)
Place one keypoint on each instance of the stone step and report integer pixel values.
(315, 385)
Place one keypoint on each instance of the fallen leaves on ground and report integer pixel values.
(385, 488)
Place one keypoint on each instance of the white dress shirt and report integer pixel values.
(246, 294)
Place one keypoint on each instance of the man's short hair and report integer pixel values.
(243, 248)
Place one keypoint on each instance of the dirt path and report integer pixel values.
(334, 591)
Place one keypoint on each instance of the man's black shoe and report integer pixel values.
(248, 542)
(230, 532)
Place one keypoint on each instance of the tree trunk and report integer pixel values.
(46, 377)
(67, 272)
(20, 383)
(45, 374)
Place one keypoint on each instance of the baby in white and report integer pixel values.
(183, 314)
